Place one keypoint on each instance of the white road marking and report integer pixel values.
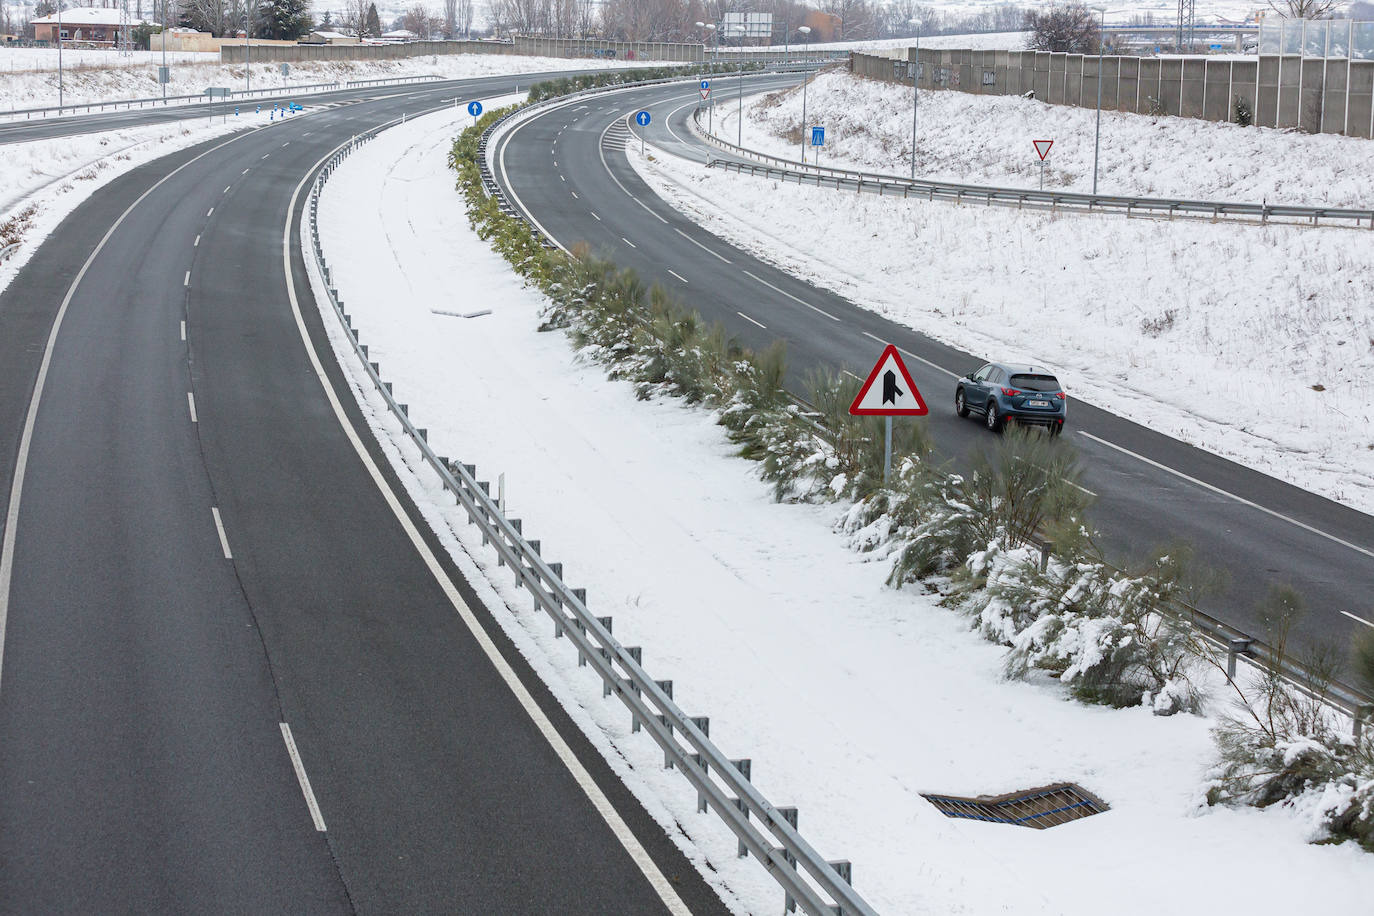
(1360, 619)
(601, 153)
(286, 144)
(264, 156)
(306, 134)
(561, 178)
(851, 375)
(678, 275)
(747, 318)
(873, 337)
(701, 246)
(223, 538)
(598, 219)
(1229, 495)
(196, 243)
(209, 213)
(225, 191)
(183, 330)
(30, 419)
(191, 402)
(784, 292)
(628, 242)
(935, 366)
(303, 779)
(575, 197)
(187, 281)
(244, 172)
(603, 806)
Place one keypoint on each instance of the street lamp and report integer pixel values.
(59, 56)
(1097, 139)
(711, 27)
(915, 94)
(806, 78)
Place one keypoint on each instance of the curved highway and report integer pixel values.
(237, 672)
(566, 168)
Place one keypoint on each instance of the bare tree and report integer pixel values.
(419, 20)
(1071, 27)
(354, 17)
(857, 19)
(450, 18)
(1305, 9)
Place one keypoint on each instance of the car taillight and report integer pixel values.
(1010, 392)
(1059, 394)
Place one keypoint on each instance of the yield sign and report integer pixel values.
(889, 390)
(1043, 147)
(706, 92)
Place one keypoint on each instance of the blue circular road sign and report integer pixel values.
(474, 108)
(642, 119)
(705, 84)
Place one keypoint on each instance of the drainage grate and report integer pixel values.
(1048, 806)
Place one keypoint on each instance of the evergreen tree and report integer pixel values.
(284, 20)
(374, 22)
(328, 21)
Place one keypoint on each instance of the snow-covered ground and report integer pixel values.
(987, 140)
(850, 698)
(37, 88)
(1175, 325)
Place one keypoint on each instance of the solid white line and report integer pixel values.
(1229, 495)
(598, 219)
(1360, 619)
(191, 402)
(747, 318)
(26, 437)
(183, 330)
(601, 153)
(304, 780)
(851, 375)
(678, 275)
(187, 281)
(699, 245)
(622, 831)
(784, 292)
(196, 243)
(628, 242)
(223, 538)
(873, 337)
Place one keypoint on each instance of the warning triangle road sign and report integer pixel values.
(889, 391)
(1043, 147)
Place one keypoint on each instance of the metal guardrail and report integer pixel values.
(723, 785)
(8, 251)
(201, 98)
(897, 186)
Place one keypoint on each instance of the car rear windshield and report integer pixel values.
(1035, 382)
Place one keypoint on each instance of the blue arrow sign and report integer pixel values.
(705, 84)
(818, 136)
(642, 119)
(474, 108)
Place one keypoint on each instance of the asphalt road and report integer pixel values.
(202, 560)
(567, 170)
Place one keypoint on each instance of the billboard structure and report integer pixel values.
(747, 25)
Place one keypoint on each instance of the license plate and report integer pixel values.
(1037, 403)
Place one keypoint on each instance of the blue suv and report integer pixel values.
(1005, 392)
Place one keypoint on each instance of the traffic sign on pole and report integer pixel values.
(705, 84)
(474, 108)
(889, 390)
(705, 94)
(1042, 147)
(818, 136)
(643, 119)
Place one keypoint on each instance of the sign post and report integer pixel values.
(1043, 148)
(817, 141)
(642, 119)
(889, 392)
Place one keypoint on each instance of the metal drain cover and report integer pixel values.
(1047, 806)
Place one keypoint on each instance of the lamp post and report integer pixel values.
(1097, 139)
(711, 28)
(59, 56)
(806, 78)
(915, 94)
(163, 33)
(248, 45)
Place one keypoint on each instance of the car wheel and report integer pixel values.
(959, 406)
(1056, 429)
(994, 421)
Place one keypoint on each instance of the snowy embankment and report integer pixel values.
(987, 140)
(43, 181)
(1254, 343)
(850, 698)
(36, 87)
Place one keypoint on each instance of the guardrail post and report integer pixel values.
(667, 688)
(1234, 648)
(745, 767)
(1361, 713)
(789, 815)
(1046, 548)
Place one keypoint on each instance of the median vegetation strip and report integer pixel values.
(979, 538)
